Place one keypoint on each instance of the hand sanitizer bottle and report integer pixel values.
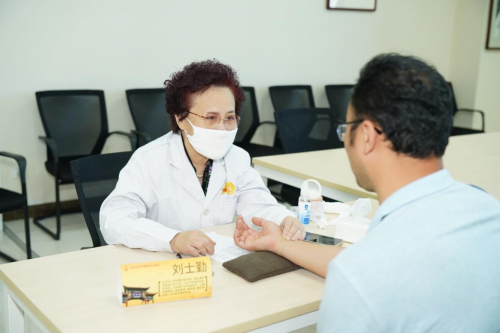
(304, 204)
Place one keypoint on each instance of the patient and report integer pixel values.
(430, 259)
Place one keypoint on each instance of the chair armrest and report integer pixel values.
(131, 137)
(144, 135)
(21, 162)
(267, 123)
(481, 113)
(52, 144)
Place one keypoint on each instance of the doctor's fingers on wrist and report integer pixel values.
(298, 234)
(303, 236)
(285, 227)
(289, 232)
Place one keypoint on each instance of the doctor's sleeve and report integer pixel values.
(255, 199)
(123, 213)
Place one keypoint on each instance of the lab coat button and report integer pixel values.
(206, 212)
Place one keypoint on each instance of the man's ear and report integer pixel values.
(369, 137)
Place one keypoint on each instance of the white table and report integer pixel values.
(76, 292)
(471, 159)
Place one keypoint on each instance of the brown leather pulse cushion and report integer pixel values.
(259, 265)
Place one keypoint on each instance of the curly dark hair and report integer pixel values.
(410, 101)
(197, 77)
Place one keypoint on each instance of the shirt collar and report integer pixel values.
(414, 191)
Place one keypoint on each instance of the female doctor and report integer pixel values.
(193, 177)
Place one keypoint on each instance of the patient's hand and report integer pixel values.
(249, 239)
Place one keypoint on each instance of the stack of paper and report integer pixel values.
(225, 249)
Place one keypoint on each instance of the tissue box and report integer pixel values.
(351, 231)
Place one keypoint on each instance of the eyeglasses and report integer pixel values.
(342, 128)
(213, 119)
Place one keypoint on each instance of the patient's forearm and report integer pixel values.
(313, 257)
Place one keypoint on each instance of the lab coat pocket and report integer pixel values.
(227, 207)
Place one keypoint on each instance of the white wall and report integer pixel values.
(488, 89)
(475, 71)
(118, 45)
(466, 50)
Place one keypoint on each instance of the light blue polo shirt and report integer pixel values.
(430, 262)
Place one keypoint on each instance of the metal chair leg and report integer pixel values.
(58, 212)
(37, 220)
(7, 257)
(27, 231)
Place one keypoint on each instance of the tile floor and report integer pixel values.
(74, 235)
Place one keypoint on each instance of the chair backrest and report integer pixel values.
(249, 117)
(95, 178)
(291, 97)
(149, 114)
(339, 96)
(304, 130)
(75, 119)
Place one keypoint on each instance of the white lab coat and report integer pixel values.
(158, 195)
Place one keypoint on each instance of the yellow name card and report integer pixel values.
(165, 281)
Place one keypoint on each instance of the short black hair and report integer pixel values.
(410, 101)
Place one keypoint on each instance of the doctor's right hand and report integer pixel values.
(192, 243)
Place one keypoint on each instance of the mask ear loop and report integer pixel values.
(192, 126)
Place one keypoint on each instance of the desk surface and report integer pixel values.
(330, 168)
(472, 159)
(76, 292)
(475, 159)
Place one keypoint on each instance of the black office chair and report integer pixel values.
(462, 130)
(339, 96)
(95, 178)
(291, 97)
(149, 114)
(10, 200)
(250, 122)
(76, 126)
(303, 130)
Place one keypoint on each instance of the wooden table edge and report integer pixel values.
(273, 318)
(360, 194)
(249, 325)
(28, 303)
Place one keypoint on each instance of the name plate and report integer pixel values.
(165, 281)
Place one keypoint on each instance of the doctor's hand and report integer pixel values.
(292, 229)
(249, 239)
(192, 243)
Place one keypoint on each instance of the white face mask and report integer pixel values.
(210, 143)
